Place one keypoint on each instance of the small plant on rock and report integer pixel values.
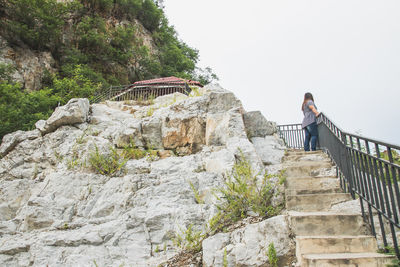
(130, 151)
(189, 240)
(196, 193)
(151, 98)
(74, 161)
(225, 259)
(150, 112)
(107, 164)
(244, 192)
(273, 259)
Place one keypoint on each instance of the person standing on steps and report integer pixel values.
(310, 122)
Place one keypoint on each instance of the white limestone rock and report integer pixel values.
(29, 66)
(257, 125)
(75, 111)
(151, 132)
(221, 100)
(241, 146)
(56, 211)
(270, 149)
(248, 246)
(220, 162)
(11, 140)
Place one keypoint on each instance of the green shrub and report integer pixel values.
(272, 258)
(128, 9)
(133, 153)
(189, 239)
(242, 192)
(78, 85)
(150, 15)
(102, 6)
(19, 110)
(110, 163)
(5, 72)
(37, 23)
(92, 39)
(205, 76)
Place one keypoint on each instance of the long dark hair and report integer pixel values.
(307, 96)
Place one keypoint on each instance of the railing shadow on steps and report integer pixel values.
(368, 169)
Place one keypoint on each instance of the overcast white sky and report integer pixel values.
(269, 53)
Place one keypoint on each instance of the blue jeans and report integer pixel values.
(311, 132)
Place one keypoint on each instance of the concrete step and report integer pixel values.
(326, 223)
(335, 244)
(302, 152)
(312, 183)
(294, 192)
(296, 157)
(347, 259)
(315, 202)
(306, 168)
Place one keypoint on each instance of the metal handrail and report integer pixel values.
(367, 168)
(108, 93)
(134, 92)
(292, 134)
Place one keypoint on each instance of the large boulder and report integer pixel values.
(248, 246)
(186, 136)
(221, 100)
(11, 140)
(270, 149)
(257, 125)
(224, 125)
(74, 112)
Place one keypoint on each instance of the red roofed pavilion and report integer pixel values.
(168, 81)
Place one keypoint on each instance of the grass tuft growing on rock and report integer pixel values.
(196, 193)
(272, 258)
(189, 239)
(131, 151)
(106, 164)
(243, 194)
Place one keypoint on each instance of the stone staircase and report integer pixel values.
(324, 237)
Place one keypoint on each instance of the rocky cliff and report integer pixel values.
(58, 208)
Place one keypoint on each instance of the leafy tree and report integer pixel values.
(205, 76)
(20, 110)
(150, 15)
(78, 85)
(92, 38)
(103, 6)
(91, 50)
(37, 23)
(128, 9)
